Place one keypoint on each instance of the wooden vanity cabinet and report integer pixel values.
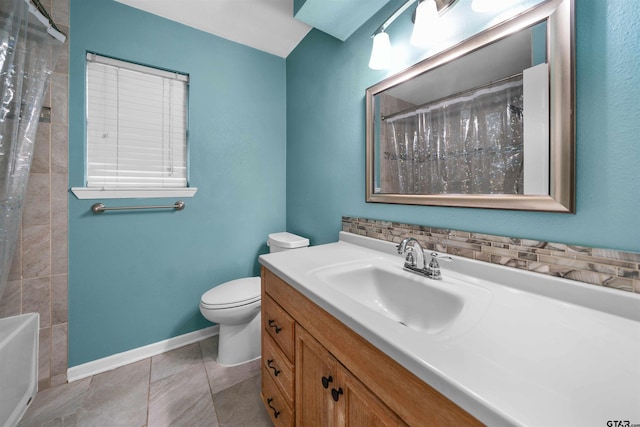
(327, 394)
(333, 376)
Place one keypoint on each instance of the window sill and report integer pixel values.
(83, 193)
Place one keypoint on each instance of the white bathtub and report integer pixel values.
(18, 366)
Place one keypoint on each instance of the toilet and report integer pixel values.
(235, 307)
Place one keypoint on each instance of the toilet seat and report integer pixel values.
(231, 294)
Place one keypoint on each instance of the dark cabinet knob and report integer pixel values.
(275, 411)
(326, 381)
(336, 393)
(275, 370)
(272, 324)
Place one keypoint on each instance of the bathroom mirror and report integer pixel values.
(488, 123)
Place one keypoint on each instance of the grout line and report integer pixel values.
(206, 372)
(149, 389)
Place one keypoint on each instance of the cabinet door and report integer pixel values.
(327, 394)
(357, 406)
(316, 372)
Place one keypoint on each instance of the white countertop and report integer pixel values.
(545, 352)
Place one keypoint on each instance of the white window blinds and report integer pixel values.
(136, 126)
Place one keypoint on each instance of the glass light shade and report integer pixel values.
(381, 52)
(426, 24)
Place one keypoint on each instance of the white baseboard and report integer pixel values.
(117, 360)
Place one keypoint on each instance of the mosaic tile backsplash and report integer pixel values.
(603, 267)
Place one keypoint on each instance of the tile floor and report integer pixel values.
(183, 387)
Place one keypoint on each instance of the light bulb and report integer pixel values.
(380, 52)
(426, 24)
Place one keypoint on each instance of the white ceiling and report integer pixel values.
(267, 25)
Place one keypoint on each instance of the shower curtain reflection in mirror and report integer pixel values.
(469, 143)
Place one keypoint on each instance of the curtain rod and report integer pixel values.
(37, 10)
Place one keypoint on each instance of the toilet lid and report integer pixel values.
(234, 293)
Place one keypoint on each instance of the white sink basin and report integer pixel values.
(407, 298)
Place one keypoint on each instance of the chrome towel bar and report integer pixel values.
(100, 207)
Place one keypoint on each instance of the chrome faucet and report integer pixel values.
(414, 259)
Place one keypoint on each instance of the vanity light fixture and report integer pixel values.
(425, 19)
(425, 23)
(381, 52)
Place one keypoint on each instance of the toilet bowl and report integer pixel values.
(235, 307)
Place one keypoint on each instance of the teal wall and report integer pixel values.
(136, 278)
(326, 83)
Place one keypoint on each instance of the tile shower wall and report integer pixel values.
(38, 276)
(603, 267)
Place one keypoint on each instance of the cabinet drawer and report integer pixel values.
(278, 366)
(279, 411)
(279, 325)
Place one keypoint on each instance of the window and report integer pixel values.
(136, 130)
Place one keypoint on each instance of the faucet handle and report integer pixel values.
(413, 253)
(435, 255)
(409, 259)
(434, 260)
(433, 270)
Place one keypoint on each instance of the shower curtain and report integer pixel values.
(467, 144)
(29, 47)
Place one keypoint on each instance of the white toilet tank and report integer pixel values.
(279, 242)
